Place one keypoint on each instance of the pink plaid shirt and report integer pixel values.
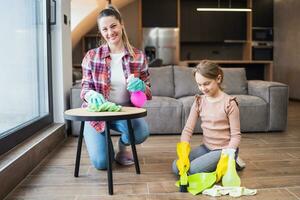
(96, 74)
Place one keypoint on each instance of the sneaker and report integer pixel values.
(124, 158)
(121, 146)
(240, 164)
(124, 155)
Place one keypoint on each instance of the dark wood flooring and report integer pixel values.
(273, 167)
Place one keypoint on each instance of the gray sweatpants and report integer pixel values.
(201, 160)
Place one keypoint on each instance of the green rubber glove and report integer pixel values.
(135, 84)
(94, 98)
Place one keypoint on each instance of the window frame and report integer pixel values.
(14, 138)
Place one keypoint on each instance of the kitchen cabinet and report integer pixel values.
(262, 11)
(211, 26)
(159, 13)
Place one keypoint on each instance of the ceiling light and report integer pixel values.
(229, 8)
(225, 9)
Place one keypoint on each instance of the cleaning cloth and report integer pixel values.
(218, 190)
(104, 107)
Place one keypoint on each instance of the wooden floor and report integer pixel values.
(273, 167)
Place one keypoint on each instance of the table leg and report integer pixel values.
(132, 141)
(79, 145)
(109, 159)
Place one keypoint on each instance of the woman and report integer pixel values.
(105, 72)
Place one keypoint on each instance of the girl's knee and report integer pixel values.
(194, 170)
(199, 168)
(174, 168)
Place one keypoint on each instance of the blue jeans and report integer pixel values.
(96, 143)
(202, 160)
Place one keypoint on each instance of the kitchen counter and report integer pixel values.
(255, 64)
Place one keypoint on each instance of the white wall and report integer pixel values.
(61, 60)
(287, 44)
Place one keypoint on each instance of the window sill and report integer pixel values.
(16, 164)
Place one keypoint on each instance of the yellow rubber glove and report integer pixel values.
(183, 162)
(222, 166)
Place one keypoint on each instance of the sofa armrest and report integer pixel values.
(276, 95)
(75, 100)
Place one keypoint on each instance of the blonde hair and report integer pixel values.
(112, 11)
(209, 70)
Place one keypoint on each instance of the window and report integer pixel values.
(25, 78)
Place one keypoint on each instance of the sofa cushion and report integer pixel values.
(185, 84)
(253, 113)
(235, 81)
(162, 81)
(164, 115)
(187, 103)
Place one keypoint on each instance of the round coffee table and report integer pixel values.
(126, 113)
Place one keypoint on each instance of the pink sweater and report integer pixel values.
(220, 122)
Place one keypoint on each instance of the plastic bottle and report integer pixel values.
(138, 98)
(231, 178)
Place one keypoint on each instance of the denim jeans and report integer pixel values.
(96, 142)
(203, 160)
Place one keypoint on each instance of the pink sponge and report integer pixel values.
(138, 98)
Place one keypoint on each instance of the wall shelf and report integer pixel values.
(217, 34)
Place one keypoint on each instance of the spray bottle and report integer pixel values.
(231, 178)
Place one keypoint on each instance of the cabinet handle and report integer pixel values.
(235, 41)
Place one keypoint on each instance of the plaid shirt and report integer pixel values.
(96, 74)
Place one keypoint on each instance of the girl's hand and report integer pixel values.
(183, 162)
(228, 151)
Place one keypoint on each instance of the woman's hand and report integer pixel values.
(95, 98)
(135, 84)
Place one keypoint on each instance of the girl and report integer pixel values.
(220, 118)
(105, 72)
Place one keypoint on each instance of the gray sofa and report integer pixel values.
(263, 105)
